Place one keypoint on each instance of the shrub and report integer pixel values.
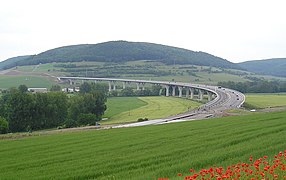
(3, 125)
(69, 123)
(142, 119)
(85, 119)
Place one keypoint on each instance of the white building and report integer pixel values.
(38, 90)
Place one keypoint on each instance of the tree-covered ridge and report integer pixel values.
(123, 51)
(12, 62)
(274, 67)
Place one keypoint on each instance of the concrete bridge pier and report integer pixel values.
(173, 90)
(109, 86)
(143, 86)
(192, 93)
(180, 91)
(209, 95)
(114, 86)
(138, 86)
(201, 94)
(123, 84)
(167, 90)
(187, 93)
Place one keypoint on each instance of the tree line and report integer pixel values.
(24, 111)
(21, 110)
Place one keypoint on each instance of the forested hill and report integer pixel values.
(275, 67)
(122, 51)
(11, 62)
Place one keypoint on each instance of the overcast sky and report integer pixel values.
(235, 30)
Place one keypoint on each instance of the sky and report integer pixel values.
(236, 30)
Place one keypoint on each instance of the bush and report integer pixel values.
(86, 119)
(3, 125)
(142, 119)
(69, 123)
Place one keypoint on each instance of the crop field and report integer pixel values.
(29, 81)
(122, 110)
(266, 100)
(149, 152)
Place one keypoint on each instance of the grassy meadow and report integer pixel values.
(143, 152)
(129, 109)
(117, 105)
(265, 100)
(29, 81)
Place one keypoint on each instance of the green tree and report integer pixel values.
(155, 90)
(55, 88)
(92, 87)
(23, 88)
(50, 110)
(57, 108)
(75, 107)
(20, 109)
(128, 91)
(85, 88)
(94, 103)
(87, 119)
(3, 125)
(89, 103)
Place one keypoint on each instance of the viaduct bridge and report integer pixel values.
(219, 98)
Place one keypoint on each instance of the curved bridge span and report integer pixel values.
(219, 98)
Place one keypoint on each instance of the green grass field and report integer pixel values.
(143, 152)
(117, 105)
(265, 100)
(122, 109)
(29, 81)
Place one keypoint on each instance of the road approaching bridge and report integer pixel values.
(219, 98)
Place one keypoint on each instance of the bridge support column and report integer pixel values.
(109, 86)
(187, 93)
(167, 90)
(71, 82)
(192, 93)
(180, 91)
(209, 95)
(123, 84)
(114, 86)
(138, 86)
(201, 94)
(143, 86)
(174, 91)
